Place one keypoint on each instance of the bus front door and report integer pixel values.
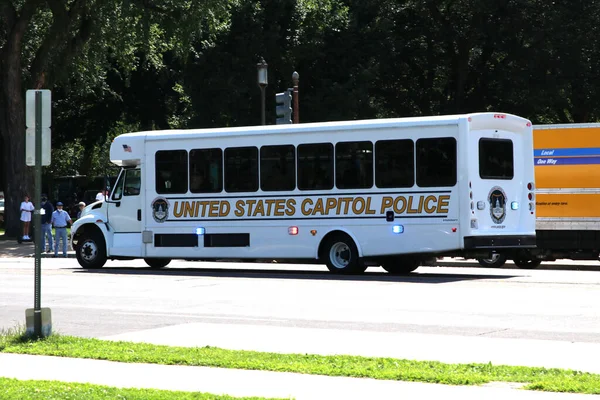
(125, 215)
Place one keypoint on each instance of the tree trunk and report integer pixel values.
(17, 176)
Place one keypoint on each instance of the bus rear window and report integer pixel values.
(496, 159)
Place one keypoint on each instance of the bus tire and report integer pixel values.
(341, 255)
(527, 263)
(157, 263)
(91, 250)
(497, 261)
(400, 265)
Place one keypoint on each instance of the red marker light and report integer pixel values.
(453, 229)
(293, 230)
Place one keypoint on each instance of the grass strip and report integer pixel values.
(543, 379)
(53, 390)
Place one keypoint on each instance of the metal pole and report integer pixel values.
(262, 102)
(295, 79)
(37, 218)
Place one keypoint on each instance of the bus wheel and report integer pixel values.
(157, 263)
(497, 261)
(91, 251)
(341, 255)
(400, 265)
(527, 263)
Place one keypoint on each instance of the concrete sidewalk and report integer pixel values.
(580, 356)
(11, 248)
(250, 383)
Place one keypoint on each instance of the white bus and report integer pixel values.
(352, 194)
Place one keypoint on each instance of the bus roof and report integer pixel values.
(127, 149)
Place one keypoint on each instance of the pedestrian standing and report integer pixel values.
(81, 206)
(101, 196)
(60, 220)
(26, 210)
(47, 224)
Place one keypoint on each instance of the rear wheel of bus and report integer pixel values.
(157, 263)
(497, 261)
(527, 263)
(91, 250)
(400, 265)
(341, 255)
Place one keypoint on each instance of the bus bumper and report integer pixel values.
(500, 242)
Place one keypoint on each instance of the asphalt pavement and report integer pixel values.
(579, 356)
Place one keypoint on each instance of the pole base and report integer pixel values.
(45, 329)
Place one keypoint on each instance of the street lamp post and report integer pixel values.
(263, 81)
(295, 79)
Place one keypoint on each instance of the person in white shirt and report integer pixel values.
(101, 195)
(26, 210)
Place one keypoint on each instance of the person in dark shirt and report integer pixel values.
(47, 223)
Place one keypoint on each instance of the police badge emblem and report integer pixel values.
(497, 199)
(160, 209)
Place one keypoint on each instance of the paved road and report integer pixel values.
(470, 302)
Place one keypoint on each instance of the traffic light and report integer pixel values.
(283, 107)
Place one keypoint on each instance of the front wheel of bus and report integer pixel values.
(527, 263)
(400, 265)
(341, 255)
(91, 251)
(157, 263)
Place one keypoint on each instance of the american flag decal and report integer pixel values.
(127, 148)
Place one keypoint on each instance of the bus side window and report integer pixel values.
(354, 165)
(277, 168)
(206, 170)
(436, 162)
(241, 169)
(315, 166)
(171, 171)
(394, 163)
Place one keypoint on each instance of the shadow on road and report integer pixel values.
(415, 277)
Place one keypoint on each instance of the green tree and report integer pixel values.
(45, 43)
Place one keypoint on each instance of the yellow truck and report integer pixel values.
(567, 203)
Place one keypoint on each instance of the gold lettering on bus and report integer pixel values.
(213, 210)
(291, 207)
(279, 208)
(259, 210)
(239, 208)
(303, 207)
(177, 212)
(400, 209)
(443, 203)
(320, 206)
(411, 210)
(358, 205)
(224, 209)
(368, 208)
(331, 203)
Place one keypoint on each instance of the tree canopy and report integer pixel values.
(117, 66)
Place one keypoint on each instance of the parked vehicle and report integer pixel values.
(567, 195)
